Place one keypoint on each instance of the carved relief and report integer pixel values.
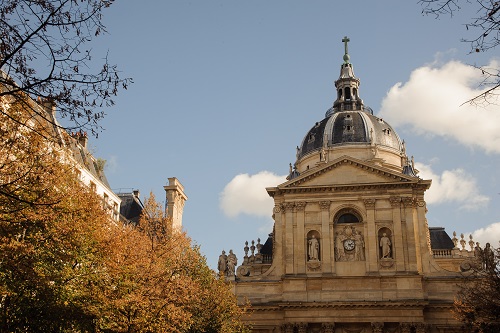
(299, 206)
(289, 206)
(408, 202)
(324, 205)
(377, 327)
(314, 265)
(328, 328)
(287, 328)
(277, 208)
(395, 201)
(302, 328)
(349, 245)
(369, 203)
(405, 327)
(420, 328)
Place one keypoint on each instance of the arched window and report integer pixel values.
(347, 93)
(348, 218)
(347, 215)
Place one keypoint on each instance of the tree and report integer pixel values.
(486, 27)
(477, 304)
(45, 53)
(51, 254)
(158, 282)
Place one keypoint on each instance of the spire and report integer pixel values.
(347, 86)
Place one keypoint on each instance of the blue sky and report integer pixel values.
(225, 90)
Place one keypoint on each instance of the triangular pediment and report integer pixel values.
(347, 171)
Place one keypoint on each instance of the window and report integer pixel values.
(348, 218)
(348, 215)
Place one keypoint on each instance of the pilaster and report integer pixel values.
(326, 249)
(278, 239)
(301, 237)
(399, 251)
(412, 231)
(423, 229)
(289, 246)
(370, 242)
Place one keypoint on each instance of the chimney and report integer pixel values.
(175, 202)
(81, 138)
(49, 106)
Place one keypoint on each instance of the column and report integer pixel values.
(300, 241)
(325, 246)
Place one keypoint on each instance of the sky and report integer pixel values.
(225, 90)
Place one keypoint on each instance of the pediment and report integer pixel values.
(347, 171)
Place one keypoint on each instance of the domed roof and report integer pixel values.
(350, 128)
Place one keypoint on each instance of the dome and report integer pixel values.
(350, 129)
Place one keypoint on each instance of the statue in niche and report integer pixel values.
(385, 245)
(232, 261)
(313, 248)
(359, 250)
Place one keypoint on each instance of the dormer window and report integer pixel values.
(311, 137)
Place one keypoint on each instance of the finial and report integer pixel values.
(346, 40)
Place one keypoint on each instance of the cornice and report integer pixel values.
(341, 305)
(345, 188)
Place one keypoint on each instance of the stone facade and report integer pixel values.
(350, 250)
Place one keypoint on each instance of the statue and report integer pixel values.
(222, 264)
(322, 155)
(488, 257)
(339, 244)
(313, 248)
(232, 261)
(359, 253)
(385, 244)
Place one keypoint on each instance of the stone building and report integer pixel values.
(73, 146)
(351, 250)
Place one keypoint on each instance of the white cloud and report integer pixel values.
(430, 104)
(452, 186)
(489, 234)
(246, 194)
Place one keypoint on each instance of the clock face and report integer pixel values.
(349, 244)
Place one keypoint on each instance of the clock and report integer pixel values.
(349, 244)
